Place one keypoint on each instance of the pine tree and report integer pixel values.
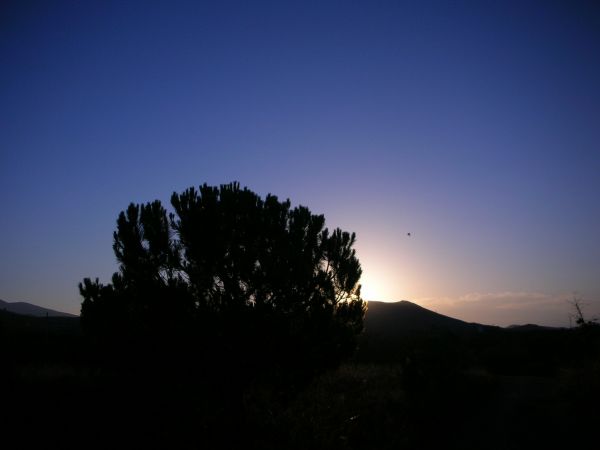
(237, 278)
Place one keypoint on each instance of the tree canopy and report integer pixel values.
(232, 274)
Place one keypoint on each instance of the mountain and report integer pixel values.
(398, 318)
(531, 327)
(27, 309)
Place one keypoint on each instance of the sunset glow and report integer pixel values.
(373, 289)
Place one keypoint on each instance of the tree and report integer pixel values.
(233, 276)
(577, 305)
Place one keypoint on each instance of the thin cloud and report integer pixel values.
(509, 307)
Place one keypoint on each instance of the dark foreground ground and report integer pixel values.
(499, 390)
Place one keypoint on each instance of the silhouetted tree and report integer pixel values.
(577, 306)
(249, 282)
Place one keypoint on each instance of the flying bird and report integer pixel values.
(409, 234)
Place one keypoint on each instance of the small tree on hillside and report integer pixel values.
(245, 279)
(577, 306)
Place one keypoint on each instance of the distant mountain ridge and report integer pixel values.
(531, 327)
(393, 319)
(28, 309)
(382, 318)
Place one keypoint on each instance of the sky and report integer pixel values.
(472, 125)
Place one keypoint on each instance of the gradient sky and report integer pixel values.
(473, 125)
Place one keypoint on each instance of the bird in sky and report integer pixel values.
(409, 234)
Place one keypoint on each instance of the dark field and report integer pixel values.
(493, 389)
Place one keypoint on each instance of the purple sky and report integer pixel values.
(473, 125)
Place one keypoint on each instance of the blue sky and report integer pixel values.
(473, 125)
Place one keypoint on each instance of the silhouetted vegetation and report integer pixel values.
(253, 285)
(227, 293)
(519, 388)
(580, 319)
(228, 324)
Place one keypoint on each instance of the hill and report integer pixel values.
(403, 317)
(20, 325)
(20, 319)
(27, 309)
(531, 327)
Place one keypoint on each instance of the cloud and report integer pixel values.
(512, 299)
(509, 307)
